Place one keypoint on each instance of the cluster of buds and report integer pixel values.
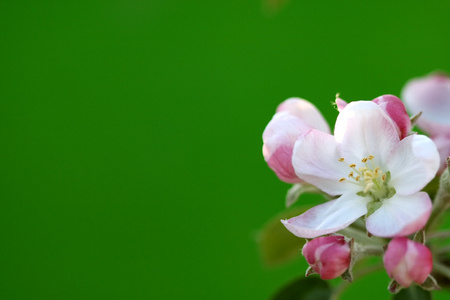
(372, 169)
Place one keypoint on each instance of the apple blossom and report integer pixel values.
(407, 261)
(431, 96)
(394, 108)
(294, 117)
(373, 170)
(328, 256)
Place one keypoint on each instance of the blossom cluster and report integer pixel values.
(373, 167)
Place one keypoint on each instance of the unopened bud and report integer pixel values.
(328, 256)
(407, 261)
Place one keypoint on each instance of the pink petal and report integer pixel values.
(431, 96)
(400, 215)
(279, 138)
(328, 217)
(396, 110)
(413, 163)
(364, 129)
(316, 160)
(306, 112)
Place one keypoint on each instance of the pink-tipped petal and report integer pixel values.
(396, 110)
(340, 104)
(413, 163)
(279, 138)
(316, 160)
(328, 217)
(400, 215)
(407, 261)
(305, 111)
(431, 96)
(364, 129)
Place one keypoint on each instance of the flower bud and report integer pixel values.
(329, 256)
(294, 117)
(407, 261)
(431, 96)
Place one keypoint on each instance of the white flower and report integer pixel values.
(376, 173)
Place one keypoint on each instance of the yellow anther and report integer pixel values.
(342, 179)
(371, 157)
(341, 159)
(352, 166)
(357, 178)
(362, 169)
(364, 160)
(377, 170)
(350, 175)
(383, 177)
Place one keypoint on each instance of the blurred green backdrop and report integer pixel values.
(130, 134)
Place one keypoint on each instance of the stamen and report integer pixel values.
(368, 187)
(357, 178)
(342, 179)
(371, 157)
(377, 170)
(341, 159)
(383, 177)
(350, 175)
(352, 166)
(364, 160)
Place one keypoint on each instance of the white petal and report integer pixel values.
(363, 129)
(328, 217)
(413, 163)
(400, 215)
(305, 111)
(316, 160)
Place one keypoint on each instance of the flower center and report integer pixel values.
(373, 181)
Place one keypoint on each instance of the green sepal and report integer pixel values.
(391, 192)
(362, 194)
(372, 207)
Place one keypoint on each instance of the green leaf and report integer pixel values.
(277, 244)
(414, 292)
(310, 288)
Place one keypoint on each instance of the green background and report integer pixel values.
(130, 134)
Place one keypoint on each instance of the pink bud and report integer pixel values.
(294, 117)
(431, 96)
(329, 256)
(407, 261)
(396, 110)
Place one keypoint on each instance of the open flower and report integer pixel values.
(376, 173)
(328, 256)
(407, 261)
(294, 117)
(431, 96)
